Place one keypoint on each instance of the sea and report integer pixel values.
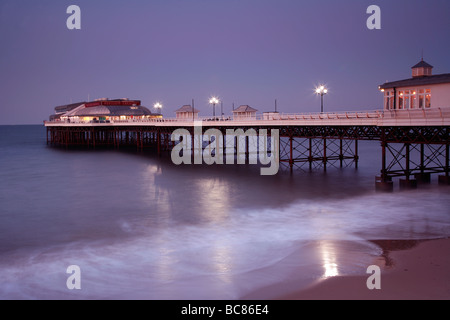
(138, 226)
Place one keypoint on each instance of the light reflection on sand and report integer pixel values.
(328, 259)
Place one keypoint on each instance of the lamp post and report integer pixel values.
(214, 101)
(158, 107)
(321, 90)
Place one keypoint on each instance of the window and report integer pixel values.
(407, 106)
(387, 100)
(406, 99)
(400, 99)
(413, 100)
(428, 100)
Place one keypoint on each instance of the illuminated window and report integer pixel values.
(407, 98)
(387, 100)
(421, 101)
(413, 101)
(428, 100)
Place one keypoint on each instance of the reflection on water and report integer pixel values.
(141, 227)
(213, 199)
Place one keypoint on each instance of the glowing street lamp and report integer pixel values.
(321, 90)
(158, 107)
(214, 101)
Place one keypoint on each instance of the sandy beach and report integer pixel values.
(410, 270)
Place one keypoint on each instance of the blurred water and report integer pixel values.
(141, 227)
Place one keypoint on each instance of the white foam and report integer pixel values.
(227, 258)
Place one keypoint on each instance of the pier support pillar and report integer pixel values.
(291, 152)
(445, 179)
(406, 184)
(423, 178)
(310, 157)
(384, 182)
(158, 143)
(247, 152)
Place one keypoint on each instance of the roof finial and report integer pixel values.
(422, 54)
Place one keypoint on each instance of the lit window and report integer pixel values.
(388, 100)
(400, 100)
(413, 101)
(428, 101)
(406, 99)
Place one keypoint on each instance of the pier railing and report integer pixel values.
(377, 114)
(389, 116)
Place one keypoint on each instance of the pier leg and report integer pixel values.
(115, 139)
(166, 142)
(445, 179)
(408, 183)
(383, 182)
(158, 143)
(422, 177)
(224, 146)
(356, 154)
(310, 158)
(247, 142)
(66, 137)
(291, 152)
(93, 138)
(138, 140)
(192, 146)
(325, 154)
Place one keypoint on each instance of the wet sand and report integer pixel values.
(410, 270)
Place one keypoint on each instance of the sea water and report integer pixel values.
(140, 227)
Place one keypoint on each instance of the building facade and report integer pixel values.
(423, 91)
(244, 112)
(103, 110)
(187, 112)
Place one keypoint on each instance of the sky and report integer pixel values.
(246, 52)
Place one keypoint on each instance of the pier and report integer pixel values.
(413, 130)
(413, 143)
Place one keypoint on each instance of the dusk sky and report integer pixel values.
(244, 51)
